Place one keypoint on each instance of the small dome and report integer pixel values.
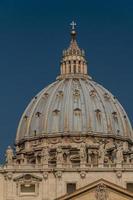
(72, 106)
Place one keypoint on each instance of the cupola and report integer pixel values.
(73, 61)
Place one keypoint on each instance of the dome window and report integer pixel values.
(38, 114)
(92, 93)
(46, 94)
(114, 115)
(25, 117)
(76, 93)
(60, 93)
(56, 112)
(106, 96)
(98, 114)
(77, 111)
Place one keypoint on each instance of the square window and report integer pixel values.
(28, 189)
(130, 187)
(71, 187)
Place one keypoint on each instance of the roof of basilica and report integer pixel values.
(74, 103)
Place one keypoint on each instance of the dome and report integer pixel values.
(74, 104)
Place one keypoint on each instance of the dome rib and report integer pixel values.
(85, 106)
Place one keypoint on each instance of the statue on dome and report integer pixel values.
(83, 155)
(9, 155)
(89, 156)
(45, 156)
(125, 147)
(119, 154)
(59, 156)
(109, 146)
(101, 154)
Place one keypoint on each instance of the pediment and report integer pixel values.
(99, 190)
(27, 177)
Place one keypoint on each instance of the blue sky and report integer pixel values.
(32, 37)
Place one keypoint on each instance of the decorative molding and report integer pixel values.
(9, 176)
(119, 174)
(58, 174)
(45, 175)
(82, 174)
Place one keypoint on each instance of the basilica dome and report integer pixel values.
(74, 104)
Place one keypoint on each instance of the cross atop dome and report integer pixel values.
(73, 30)
(73, 25)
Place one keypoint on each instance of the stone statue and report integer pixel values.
(119, 155)
(45, 156)
(83, 155)
(110, 145)
(66, 158)
(101, 154)
(59, 156)
(9, 155)
(89, 156)
(101, 192)
(125, 147)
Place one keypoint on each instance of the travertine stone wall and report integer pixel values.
(54, 184)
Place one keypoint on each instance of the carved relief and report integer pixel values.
(75, 157)
(54, 140)
(9, 176)
(78, 139)
(101, 192)
(76, 151)
(45, 175)
(58, 174)
(119, 174)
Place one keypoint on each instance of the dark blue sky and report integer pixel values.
(32, 37)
